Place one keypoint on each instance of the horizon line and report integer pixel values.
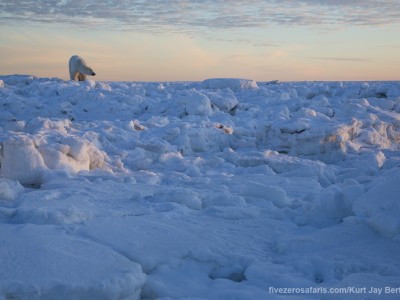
(190, 80)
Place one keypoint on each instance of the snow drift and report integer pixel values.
(213, 190)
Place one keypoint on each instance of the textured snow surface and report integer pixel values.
(218, 189)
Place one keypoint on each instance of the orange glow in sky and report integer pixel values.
(142, 41)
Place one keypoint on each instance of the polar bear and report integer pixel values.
(78, 69)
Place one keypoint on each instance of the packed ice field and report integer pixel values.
(220, 189)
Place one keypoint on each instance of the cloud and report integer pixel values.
(200, 15)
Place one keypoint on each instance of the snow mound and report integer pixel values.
(184, 197)
(28, 158)
(72, 154)
(197, 103)
(235, 84)
(89, 271)
(9, 189)
(380, 207)
(22, 161)
(227, 103)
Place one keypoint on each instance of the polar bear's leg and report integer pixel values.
(81, 77)
(73, 75)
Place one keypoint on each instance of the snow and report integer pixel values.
(380, 208)
(221, 189)
(233, 84)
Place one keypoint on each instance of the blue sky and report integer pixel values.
(194, 40)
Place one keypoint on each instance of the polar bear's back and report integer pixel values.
(76, 59)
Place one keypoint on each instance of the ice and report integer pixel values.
(234, 84)
(220, 189)
(380, 206)
(18, 79)
(226, 102)
(266, 192)
(28, 158)
(43, 267)
(196, 103)
(22, 161)
(9, 189)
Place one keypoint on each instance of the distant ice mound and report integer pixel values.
(18, 79)
(235, 84)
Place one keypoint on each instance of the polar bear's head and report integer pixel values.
(89, 71)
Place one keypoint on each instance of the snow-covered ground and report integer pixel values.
(221, 189)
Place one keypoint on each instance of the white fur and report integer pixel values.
(78, 69)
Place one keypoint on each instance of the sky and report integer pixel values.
(180, 40)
